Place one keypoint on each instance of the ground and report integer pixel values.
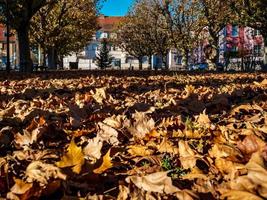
(133, 135)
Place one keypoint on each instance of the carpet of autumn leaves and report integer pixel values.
(83, 136)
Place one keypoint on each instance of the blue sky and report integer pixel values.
(116, 7)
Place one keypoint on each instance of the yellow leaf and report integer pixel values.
(73, 158)
(139, 150)
(105, 165)
(21, 187)
(237, 195)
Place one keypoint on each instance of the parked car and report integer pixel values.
(220, 67)
(198, 66)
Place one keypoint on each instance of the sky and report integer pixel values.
(116, 7)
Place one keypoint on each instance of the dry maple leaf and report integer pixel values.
(257, 173)
(249, 145)
(100, 95)
(108, 134)
(106, 164)
(115, 121)
(188, 90)
(142, 125)
(203, 119)
(7, 112)
(238, 195)
(20, 189)
(24, 141)
(93, 149)
(139, 150)
(42, 173)
(167, 146)
(156, 182)
(73, 158)
(187, 155)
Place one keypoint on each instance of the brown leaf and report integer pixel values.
(156, 182)
(139, 150)
(106, 164)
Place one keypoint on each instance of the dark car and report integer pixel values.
(198, 66)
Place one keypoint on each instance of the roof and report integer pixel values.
(107, 23)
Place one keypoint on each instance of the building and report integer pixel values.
(236, 45)
(242, 45)
(3, 48)
(120, 58)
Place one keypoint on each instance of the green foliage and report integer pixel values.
(166, 163)
(66, 26)
(103, 59)
(143, 32)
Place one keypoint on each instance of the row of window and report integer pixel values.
(98, 47)
(257, 49)
(235, 31)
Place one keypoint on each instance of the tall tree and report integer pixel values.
(182, 18)
(133, 35)
(20, 14)
(103, 59)
(216, 15)
(64, 28)
(142, 33)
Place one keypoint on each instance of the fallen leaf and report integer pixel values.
(156, 182)
(106, 164)
(238, 195)
(20, 191)
(139, 150)
(203, 119)
(108, 134)
(187, 155)
(93, 149)
(166, 146)
(100, 95)
(141, 126)
(42, 173)
(73, 158)
(249, 145)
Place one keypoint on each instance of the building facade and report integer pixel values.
(3, 48)
(120, 59)
(237, 45)
(242, 45)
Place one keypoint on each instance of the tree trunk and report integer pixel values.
(25, 61)
(265, 51)
(185, 53)
(164, 62)
(44, 56)
(140, 60)
(150, 62)
(212, 55)
(52, 58)
(61, 65)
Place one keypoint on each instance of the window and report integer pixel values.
(234, 49)
(234, 31)
(104, 35)
(144, 60)
(256, 32)
(117, 62)
(257, 50)
(179, 60)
